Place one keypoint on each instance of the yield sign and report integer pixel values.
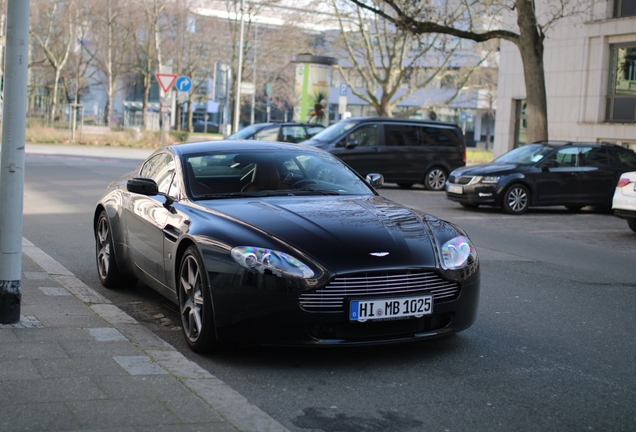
(165, 81)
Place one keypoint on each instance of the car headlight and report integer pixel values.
(485, 179)
(457, 253)
(262, 259)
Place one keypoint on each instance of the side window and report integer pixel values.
(313, 130)
(595, 156)
(150, 166)
(566, 157)
(366, 136)
(402, 135)
(161, 169)
(433, 136)
(627, 157)
(293, 134)
(267, 134)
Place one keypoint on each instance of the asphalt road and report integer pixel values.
(552, 348)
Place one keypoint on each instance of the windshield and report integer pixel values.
(527, 154)
(246, 133)
(269, 173)
(334, 131)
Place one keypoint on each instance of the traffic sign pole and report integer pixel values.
(166, 81)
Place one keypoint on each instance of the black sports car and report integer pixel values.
(253, 248)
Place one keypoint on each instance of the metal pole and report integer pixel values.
(237, 96)
(12, 160)
(254, 78)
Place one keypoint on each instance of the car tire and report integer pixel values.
(516, 199)
(435, 179)
(574, 208)
(195, 304)
(107, 270)
(632, 224)
(405, 185)
(469, 205)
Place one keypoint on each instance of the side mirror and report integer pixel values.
(550, 164)
(376, 180)
(142, 186)
(351, 143)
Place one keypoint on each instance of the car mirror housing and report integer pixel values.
(352, 143)
(376, 180)
(549, 164)
(142, 186)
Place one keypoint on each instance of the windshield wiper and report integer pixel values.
(318, 191)
(219, 195)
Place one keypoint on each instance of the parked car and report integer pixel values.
(570, 174)
(200, 126)
(624, 200)
(253, 248)
(404, 151)
(283, 132)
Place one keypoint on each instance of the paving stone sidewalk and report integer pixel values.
(77, 362)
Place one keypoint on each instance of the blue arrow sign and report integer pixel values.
(183, 84)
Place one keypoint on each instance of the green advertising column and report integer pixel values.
(313, 83)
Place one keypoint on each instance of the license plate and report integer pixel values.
(455, 189)
(416, 306)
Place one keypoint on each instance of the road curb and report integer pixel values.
(227, 402)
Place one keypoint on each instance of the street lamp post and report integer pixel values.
(12, 169)
(237, 96)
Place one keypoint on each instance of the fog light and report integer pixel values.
(485, 195)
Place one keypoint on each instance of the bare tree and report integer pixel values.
(477, 20)
(112, 44)
(54, 31)
(194, 40)
(147, 43)
(79, 71)
(388, 57)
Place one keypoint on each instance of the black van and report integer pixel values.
(404, 151)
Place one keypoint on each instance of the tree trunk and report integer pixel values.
(54, 97)
(530, 44)
(144, 107)
(384, 109)
(109, 66)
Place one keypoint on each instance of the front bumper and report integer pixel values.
(473, 194)
(244, 315)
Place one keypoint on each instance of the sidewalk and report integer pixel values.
(77, 362)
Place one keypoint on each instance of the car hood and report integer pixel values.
(486, 169)
(341, 233)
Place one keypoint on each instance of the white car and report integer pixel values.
(624, 201)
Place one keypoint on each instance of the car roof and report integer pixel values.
(399, 120)
(555, 143)
(237, 145)
(287, 124)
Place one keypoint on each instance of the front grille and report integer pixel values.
(332, 297)
(463, 180)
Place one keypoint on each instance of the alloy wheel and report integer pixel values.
(436, 179)
(103, 248)
(191, 298)
(517, 199)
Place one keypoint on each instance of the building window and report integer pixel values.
(624, 8)
(621, 98)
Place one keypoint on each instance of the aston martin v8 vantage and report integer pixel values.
(254, 246)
